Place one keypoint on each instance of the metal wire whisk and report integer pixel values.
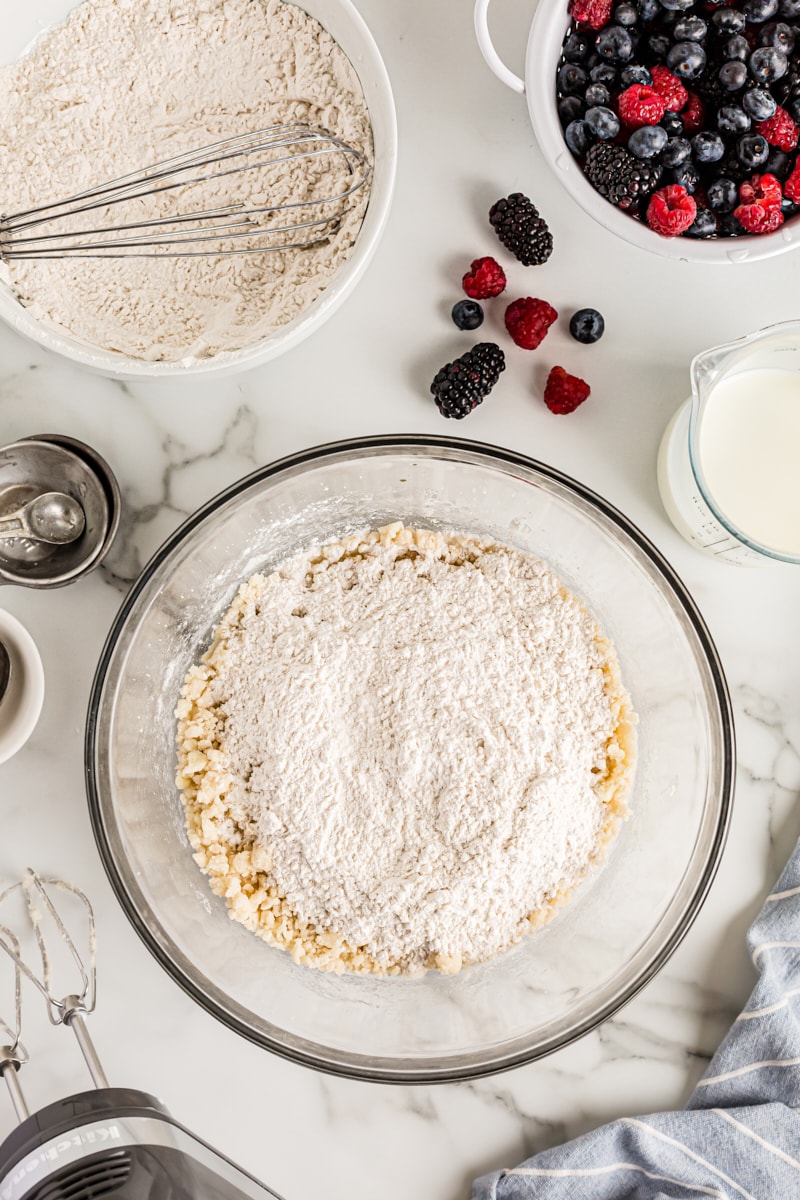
(34, 234)
(70, 1010)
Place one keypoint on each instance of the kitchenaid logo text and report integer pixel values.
(54, 1151)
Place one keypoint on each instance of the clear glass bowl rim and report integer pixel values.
(359, 1067)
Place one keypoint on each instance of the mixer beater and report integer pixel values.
(106, 1142)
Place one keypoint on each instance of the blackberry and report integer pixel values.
(460, 386)
(521, 229)
(618, 176)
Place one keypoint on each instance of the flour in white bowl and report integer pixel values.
(404, 751)
(123, 84)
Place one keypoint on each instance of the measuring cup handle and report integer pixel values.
(486, 46)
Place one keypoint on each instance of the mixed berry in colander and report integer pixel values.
(685, 113)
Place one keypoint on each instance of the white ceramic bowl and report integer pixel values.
(23, 23)
(541, 63)
(22, 702)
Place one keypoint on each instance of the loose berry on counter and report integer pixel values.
(467, 314)
(587, 326)
(460, 386)
(755, 218)
(594, 13)
(779, 130)
(640, 105)
(616, 174)
(528, 320)
(671, 211)
(522, 230)
(670, 88)
(563, 393)
(484, 279)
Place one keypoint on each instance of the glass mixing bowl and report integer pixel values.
(558, 983)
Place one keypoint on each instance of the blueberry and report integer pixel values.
(576, 47)
(759, 10)
(570, 108)
(723, 195)
(603, 122)
(587, 326)
(677, 5)
(789, 208)
(614, 44)
(648, 141)
(571, 79)
(626, 14)
(778, 35)
(733, 75)
(690, 29)
(778, 163)
(729, 20)
(603, 73)
(578, 137)
(793, 108)
(687, 60)
(673, 124)
(729, 226)
(707, 147)
(736, 47)
(789, 9)
(752, 150)
(648, 9)
(467, 314)
(732, 120)
(704, 225)
(759, 104)
(687, 176)
(597, 93)
(659, 46)
(767, 64)
(676, 151)
(635, 73)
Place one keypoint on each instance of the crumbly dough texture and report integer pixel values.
(124, 84)
(283, 873)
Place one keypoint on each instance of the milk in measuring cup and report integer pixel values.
(750, 455)
(729, 461)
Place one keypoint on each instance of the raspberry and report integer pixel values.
(791, 189)
(640, 105)
(756, 219)
(485, 278)
(460, 386)
(671, 210)
(779, 130)
(693, 114)
(594, 13)
(668, 86)
(528, 320)
(764, 190)
(564, 393)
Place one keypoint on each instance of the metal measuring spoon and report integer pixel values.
(5, 670)
(53, 517)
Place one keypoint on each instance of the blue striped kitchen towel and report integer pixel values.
(739, 1136)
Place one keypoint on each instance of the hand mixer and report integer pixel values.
(107, 1142)
(242, 226)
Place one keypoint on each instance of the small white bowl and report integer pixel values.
(549, 25)
(341, 20)
(22, 703)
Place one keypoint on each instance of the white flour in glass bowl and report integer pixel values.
(126, 83)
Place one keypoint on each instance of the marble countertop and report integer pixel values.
(464, 141)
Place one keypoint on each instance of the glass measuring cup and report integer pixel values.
(729, 460)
